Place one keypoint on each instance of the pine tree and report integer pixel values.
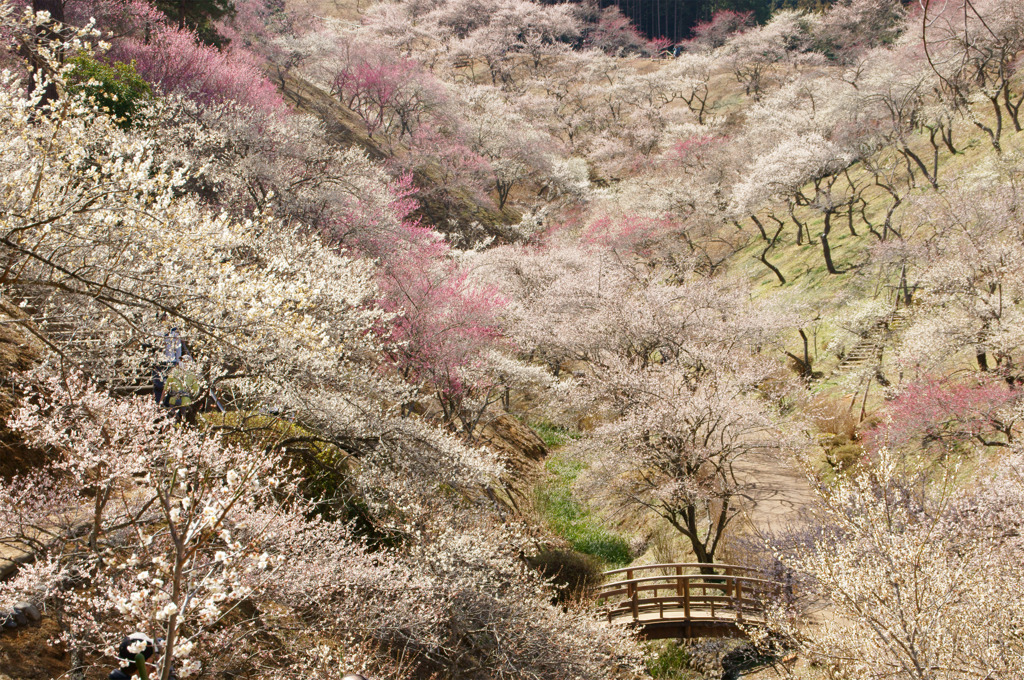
(199, 15)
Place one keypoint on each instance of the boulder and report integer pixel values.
(520, 450)
(516, 444)
(29, 610)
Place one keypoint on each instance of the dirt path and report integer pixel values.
(779, 491)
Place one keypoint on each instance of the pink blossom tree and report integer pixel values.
(949, 413)
(615, 34)
(174, 59)
(710, 35)
(446, 324)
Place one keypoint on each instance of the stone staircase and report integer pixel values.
(868, 352)
(116, 370)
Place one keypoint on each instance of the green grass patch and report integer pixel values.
(573, 520)
(553, 435)
(668, 660)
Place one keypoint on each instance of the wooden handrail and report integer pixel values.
(680, 565)
(712, 580)
(728, 599)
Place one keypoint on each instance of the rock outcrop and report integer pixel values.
(520, 450)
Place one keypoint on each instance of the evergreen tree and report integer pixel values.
(199, 15)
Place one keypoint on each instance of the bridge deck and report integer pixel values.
(668, 602)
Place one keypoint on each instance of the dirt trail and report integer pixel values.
(779, 491)
(780, 494)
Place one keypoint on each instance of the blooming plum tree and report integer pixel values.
(754, 53)
(973, 47)
(174, 59)
(788, 168)
(710, 35)
(209, 544)
(923, 577)
(447, 324)
(390, 95)
(615, 34)
(968, 279)
(947, 413)
(161, 518)
(675, 449)
(850, 27)
(514, 149)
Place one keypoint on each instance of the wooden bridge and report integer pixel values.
(679, 601)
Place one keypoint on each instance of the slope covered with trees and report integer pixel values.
(289, 286)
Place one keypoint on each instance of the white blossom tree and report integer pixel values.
(922, 577)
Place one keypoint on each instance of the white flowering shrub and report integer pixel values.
(211, 548)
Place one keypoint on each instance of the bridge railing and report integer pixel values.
(729, 594)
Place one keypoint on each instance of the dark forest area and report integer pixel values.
(675, 19)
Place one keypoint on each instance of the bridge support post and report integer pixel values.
(686, 599)
(739, 601)
(632, 592)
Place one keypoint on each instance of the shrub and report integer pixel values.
(115, 88)
(572, 573)
(834, 416)
(669, 660)
(841, 453)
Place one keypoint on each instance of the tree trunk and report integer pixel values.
(824, 245)
(775, 270)
(1011, 106)
(982, 361)
(799, 227)
(947, 138)
(806, 367)
(994, 134)
(911, 156)
(56, 10)
(503, 189)
(769, 244)
(982, 355)
(906, 289)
